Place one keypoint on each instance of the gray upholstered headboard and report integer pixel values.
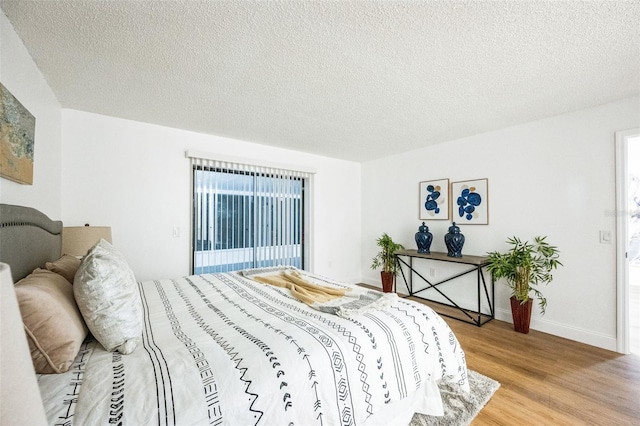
(28, 239)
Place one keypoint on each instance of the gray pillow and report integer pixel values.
(107, 294)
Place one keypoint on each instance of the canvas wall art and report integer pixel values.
(470, 202)
(17, 137)
(434, 199)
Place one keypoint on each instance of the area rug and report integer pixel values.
(460, 408)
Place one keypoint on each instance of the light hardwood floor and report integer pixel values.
(548, 380)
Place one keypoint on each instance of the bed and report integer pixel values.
(227, 349)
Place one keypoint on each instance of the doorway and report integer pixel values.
(633, 169)
(628, 237)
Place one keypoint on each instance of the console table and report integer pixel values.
(476, 265)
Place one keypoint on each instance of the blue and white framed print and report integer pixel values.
(434, 199)
(470, 202)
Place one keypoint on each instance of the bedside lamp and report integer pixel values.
(77, 240)
(20, 396)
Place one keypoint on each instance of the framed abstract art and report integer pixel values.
(470, 202)
(434, 199)
(17, 133)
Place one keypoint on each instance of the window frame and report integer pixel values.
(304, 204)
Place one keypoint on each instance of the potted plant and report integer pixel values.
(387, 260)
(524, 267)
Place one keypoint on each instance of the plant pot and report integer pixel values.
(521, 315)
(387, 281)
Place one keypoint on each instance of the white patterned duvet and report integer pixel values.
(221, 349)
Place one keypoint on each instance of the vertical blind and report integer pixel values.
(246, 216)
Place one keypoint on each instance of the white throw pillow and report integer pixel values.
(107, 294)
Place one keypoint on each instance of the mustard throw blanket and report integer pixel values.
(344, 302)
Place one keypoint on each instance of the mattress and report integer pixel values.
(222, 349)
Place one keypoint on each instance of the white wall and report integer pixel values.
(135, 178)
(20, 75)
(551, 177)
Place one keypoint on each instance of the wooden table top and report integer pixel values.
(437, 255)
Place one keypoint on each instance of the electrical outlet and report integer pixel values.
(176, 232)
(432, 272)
(605, 237)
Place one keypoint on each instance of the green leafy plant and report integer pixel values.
(386, 258)
(525, 266)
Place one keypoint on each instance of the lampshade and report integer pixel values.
(77, 240)
(20, 401)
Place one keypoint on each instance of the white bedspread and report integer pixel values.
(221, 349)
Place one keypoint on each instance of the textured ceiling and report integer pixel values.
(356, 80)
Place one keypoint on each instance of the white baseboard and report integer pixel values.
(566, 331)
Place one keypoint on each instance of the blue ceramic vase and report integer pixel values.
(423, 239)
(454, 241)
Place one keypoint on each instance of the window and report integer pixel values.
(244, 218)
